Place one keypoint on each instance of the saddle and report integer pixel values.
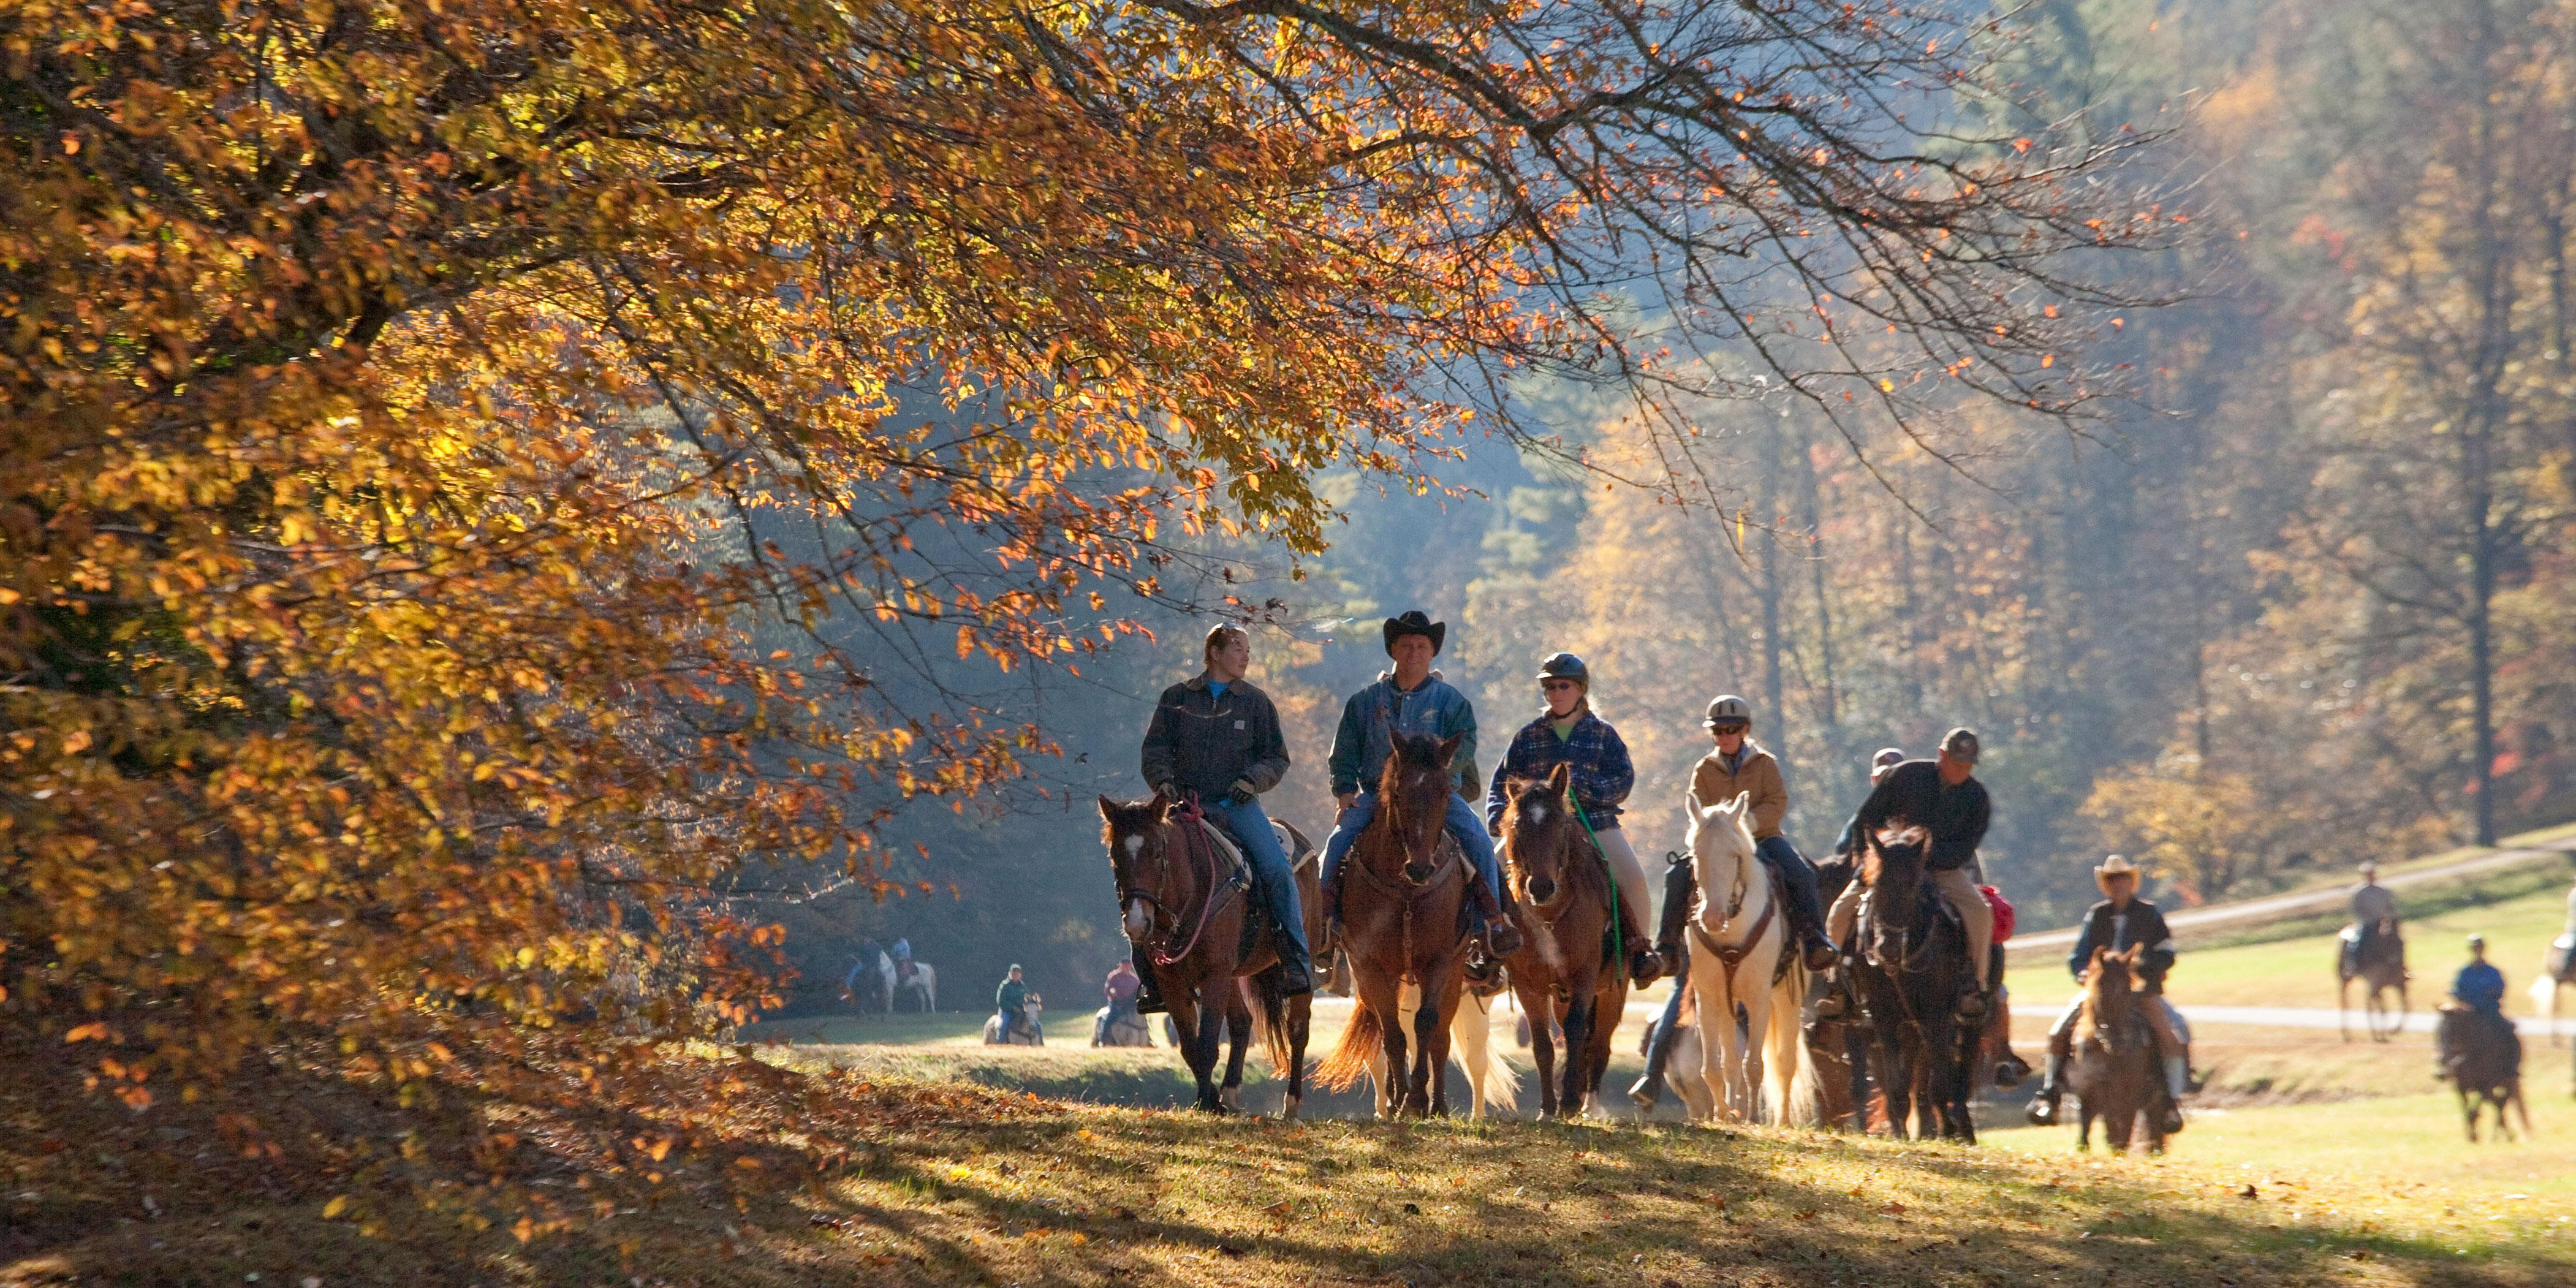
(1931, 912)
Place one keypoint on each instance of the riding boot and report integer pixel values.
(2043, 1107)
(2177, 1085)
(1502, 921)
(1680, 886)
(1149, 999)
(1649, 1090)
(1296, 971)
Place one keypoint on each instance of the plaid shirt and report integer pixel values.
(1602, 774)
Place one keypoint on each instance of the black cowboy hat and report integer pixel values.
(1415, 622)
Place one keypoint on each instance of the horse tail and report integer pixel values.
(1363, 1037)
(1270, 1023)
(1471, 1036)
(1793, 1088)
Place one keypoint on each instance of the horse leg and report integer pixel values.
(1238, 1032)
(1429, 1083)
(1896, 1083)
(1441, 1005)
(2084, 1126)
(1211, 1031)
(1539, 1007)
(1383, 994)
(1757, 1032)
(2343, 1003)
(1580, 1008)
(1184, 1006)
(1301, 1013)
(2469, 1109)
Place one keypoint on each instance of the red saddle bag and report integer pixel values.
(2003, 912)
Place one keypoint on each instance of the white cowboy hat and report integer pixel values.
(2117, 865)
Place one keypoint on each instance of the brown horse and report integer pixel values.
(2114, 1072)
(2483, 1060)
(1562, 969)
(1404, 909)
(1184, 899)
(2381, 966)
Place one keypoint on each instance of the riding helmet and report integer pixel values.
(1565, 666)
(1729, 709)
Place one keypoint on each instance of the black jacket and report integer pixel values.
(2119, 928)
(1913, 791)
(1202, 743)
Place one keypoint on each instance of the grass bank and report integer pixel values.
(911, 1183)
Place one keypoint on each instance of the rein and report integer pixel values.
(1200, 849)
(1730, 956)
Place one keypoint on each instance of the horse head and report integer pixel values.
(1539, 835)
(1720, 843)
(1891, 868)
(1138, 835)
(1413, 798)
(2110, 984)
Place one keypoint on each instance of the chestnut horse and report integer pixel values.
(1404, 905)
(1184, 903)
(2114, 1075)
(1562, 969)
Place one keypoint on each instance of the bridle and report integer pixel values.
(1731, 956)
(1214, 893)
(1565, 882)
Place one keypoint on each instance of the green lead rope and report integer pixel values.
(1618, 932)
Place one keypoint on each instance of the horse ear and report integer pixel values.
(1449, 748)
(1561, 777)
(1108, 810)
(1696, 804)
(1165, 808)
(1741, 800)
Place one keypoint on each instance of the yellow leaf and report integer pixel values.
(335, 1207)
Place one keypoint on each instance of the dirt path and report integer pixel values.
(2307, 902)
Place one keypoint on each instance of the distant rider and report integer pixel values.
(1012, 1000)
(1943, 797)
(2118, 922)
(1411, 698)
(1120, 990)
(2374, 913)
(1216, 737)
(2479, 987)
(1737, 765)
(1847, 846)
(1568, 733)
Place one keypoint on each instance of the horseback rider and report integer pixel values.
(1012, 999)
(1120, 989)
(2374, 914)
(1568, 733)
(1411, 698)
(1943, 797)
(1737, 765)
(2479, 989)
(2119, 921)
(1847, 845)
(1217, 737)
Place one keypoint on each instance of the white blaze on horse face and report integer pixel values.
(1138, 920)
(1537, 814)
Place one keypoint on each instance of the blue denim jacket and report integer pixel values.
(1365, 740)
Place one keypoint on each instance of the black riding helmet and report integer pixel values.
(1565, 666)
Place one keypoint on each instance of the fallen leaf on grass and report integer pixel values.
(1282, 1208)
(1230, 1250)
(1894, 1209)
(1413, 1209)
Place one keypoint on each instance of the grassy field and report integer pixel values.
(2300, 971)
(939, 1189)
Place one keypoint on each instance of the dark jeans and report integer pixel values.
(1806, 905)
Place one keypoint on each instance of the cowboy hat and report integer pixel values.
(1415, 622)
(2117, 865)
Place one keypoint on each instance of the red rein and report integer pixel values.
(1195, 843)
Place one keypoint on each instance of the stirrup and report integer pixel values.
(2042, 1110)
(1502, 938)
(1972, 1006)
(1833, 1006)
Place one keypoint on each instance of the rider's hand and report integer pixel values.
(1240, 794)
(1342, 800)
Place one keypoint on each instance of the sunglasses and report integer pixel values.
(1554, 685)
(1722, 730)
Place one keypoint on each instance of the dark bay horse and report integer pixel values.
(1404, 905)
(1184, 902)
(2483, 1059)
(1562, 969)
(2114, 1075)
(1911, 967)
(2380, 965)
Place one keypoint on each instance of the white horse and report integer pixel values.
(925, 981)
(1491, 1079)
(1028, 1032)
(2557, 970)
(1738, 936)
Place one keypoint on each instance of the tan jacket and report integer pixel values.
(1756, 772)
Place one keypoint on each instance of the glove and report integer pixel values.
(1240, 794)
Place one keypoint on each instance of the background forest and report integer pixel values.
(2307, 599)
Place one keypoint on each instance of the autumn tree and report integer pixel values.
(438, 432)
